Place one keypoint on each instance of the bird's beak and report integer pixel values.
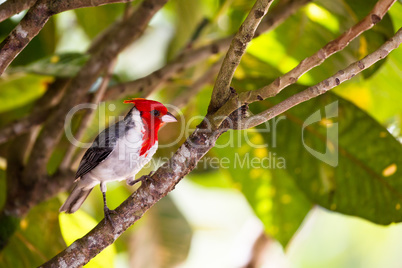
(168, 118)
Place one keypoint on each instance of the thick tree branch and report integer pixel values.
(327, 84)
(221, 91)
(27, 29)
(271, 90)
(34, 21)
(12, 7)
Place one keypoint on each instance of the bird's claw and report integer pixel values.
(143, 179)
(107, 212)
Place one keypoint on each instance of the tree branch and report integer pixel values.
(221, 91)
(27, 29)
(33, 22)
(327, 84)
(271, 90)
(12, 7)
(190, 57)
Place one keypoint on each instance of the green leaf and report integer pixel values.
(261, 177)
(290, 206)
(58, 65)
(366, 180)
(37, 239)
(18, 90)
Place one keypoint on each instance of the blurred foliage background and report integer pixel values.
(229, 217)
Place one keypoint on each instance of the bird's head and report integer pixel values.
(153, 113)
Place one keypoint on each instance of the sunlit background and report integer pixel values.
(207, 221)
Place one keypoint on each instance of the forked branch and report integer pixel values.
(221, 91)
(329, 83)
(271, 90)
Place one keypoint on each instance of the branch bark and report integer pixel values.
(27, 29)
(221, 91)
(12, 7)
(271, 90)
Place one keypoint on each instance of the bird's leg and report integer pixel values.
(106, 210)
(142, 179)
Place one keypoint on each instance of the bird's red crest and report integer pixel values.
(145, 105)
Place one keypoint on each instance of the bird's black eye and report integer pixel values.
(155, 113)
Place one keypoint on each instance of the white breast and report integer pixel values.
(125, 160)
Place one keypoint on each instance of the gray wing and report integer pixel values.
(101, 148)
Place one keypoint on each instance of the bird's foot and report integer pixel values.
(107, 212)
(142, 179)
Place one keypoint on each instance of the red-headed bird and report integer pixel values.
(119, 152)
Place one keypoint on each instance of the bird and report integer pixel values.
(119, 152)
